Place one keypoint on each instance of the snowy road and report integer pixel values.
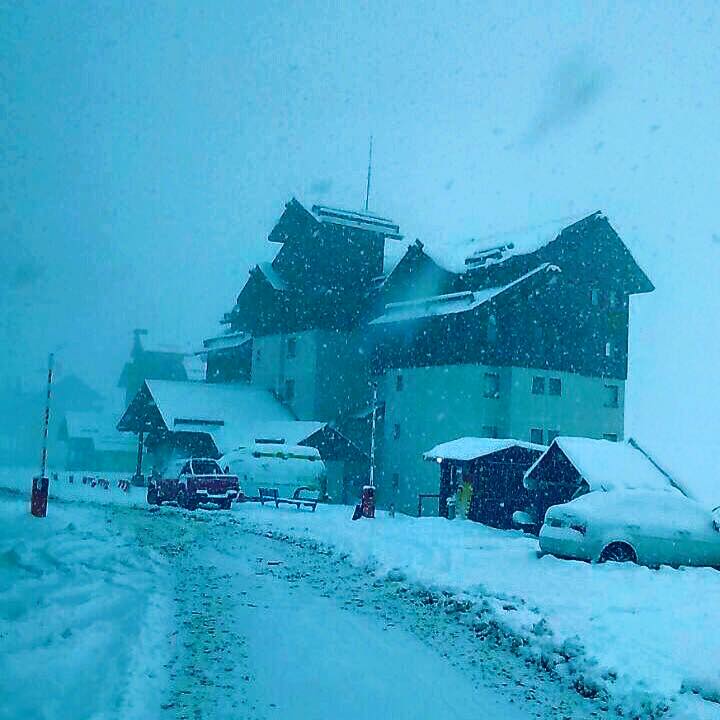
(191, 615)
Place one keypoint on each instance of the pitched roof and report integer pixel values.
(451, 303)
(472, 448)
(607, 465)
(272, 276)
(459, 256)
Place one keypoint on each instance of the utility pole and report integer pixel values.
(39, 495)
(372, 436)
(367, 189)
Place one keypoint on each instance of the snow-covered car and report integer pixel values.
(193, 481)
(649, 528)
(276, 465)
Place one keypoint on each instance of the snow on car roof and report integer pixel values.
(649, 509)
(471, 448)
(607, 465)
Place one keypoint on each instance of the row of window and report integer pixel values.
(538, 436)
(554, 387)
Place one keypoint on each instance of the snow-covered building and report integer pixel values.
(228, 357)
(521, 336)
(93, 443)
(182, 419)
(574, 466)
(488, 472)
(159, 362)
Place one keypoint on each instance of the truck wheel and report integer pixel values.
(182, 499)
(152, 496)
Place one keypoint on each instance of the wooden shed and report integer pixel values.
(491, 470)
(574, 466)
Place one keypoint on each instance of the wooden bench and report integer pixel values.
(272, 495)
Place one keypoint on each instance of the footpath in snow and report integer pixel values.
(644, 640)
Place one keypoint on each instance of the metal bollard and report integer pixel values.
(39, 496)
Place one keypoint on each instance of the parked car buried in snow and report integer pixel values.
(649, 528)
(194, 481)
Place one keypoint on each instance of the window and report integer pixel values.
(612, 437)
(612, 396)
(396, 431)
(551, 435)
(289, 390)
(489, 431)
(613, 298)
(555, 386)
(492, 385)
(395, 482)
(399, 382)
(536, 436)
(608, 349)
(595, 296)
(492, 329)
(538, 385)
(292, 347)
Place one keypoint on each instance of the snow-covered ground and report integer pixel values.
(81, 607)
(637, 638)
(639, 634)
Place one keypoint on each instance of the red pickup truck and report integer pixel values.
(191, 482)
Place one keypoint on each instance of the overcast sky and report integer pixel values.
(149, 147)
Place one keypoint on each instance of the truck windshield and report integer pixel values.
(206, 467)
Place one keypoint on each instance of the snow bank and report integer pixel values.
(19, 480)
(637, 634)
(79, 602)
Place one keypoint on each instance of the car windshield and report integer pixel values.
(206, 467)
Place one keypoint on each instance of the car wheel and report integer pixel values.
(225, 504)
(618, 552)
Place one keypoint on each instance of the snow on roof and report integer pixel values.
(360, 220)
(223, 342)
(98, 427)
(235, 415)
(451, 303)
(195, 367)
(471, 448)
(607, 465)
(394, 252)
(272, 275)
(459, 256)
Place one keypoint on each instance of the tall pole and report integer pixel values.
(367, 189)
(372, 436)
(46, 424)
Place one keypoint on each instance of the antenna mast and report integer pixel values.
(367, 189)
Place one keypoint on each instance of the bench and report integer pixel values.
(272, 495)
